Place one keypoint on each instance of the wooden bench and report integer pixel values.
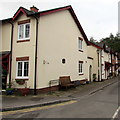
(65, 82)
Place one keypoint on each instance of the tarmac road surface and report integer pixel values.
(101, 104)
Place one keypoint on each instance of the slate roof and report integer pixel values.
(106, 49)
(101, 44)
(28, 12)
(95, 45)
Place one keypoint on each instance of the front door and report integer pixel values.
(4, 79)
(90, 73)
(4, 65)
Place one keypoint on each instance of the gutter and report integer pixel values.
(35, 91)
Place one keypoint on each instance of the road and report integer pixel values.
(101, 104)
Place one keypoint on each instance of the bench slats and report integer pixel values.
(65, 81)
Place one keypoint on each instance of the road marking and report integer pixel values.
(116, 113)
(37, 108)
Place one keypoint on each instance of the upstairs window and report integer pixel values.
(27, 30)
(24, 30)
(80, 43)
(21, 32)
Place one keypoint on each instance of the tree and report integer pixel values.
(112, 42)
(93, 40)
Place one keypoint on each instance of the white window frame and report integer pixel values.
(80, 67)
(102, 53)
(22, 77)
(24, 30)
(102, 69)
(80, 44)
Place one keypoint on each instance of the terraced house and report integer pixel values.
(109, 61)
(39, 47)
(94, 55)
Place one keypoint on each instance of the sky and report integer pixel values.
(98, 18)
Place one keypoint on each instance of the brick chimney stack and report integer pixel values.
(34, 9)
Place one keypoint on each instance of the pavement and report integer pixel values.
(15, 102)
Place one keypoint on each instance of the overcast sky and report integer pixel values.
(98, 18)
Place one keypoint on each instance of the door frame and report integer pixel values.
(90, 73)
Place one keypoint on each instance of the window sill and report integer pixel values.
(81, 74)
(80, 50)
(23, 41)
(21, 78)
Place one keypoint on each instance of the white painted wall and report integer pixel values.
(6, 37)
(58, 39)
(24, 49)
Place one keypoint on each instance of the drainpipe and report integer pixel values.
(11, 48)
(35, 91)
(111, 64)
(101, 63)
(98, 65)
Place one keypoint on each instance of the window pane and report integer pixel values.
(26, 68)
(21, 31)
(80, 69)
(63, 61)
(27, 30)
(19, 73)
(80, 44)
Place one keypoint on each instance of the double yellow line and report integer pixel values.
(36, 108)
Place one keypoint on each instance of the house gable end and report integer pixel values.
(78, 25)
(54, 10)
(72, 14)
(19, 11)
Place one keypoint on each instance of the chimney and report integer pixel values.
(34, 9)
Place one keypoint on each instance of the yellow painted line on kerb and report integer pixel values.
(36, 108)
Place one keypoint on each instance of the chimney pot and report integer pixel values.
(34, 9)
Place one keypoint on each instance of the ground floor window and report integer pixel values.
(80, 67)
(22, 69)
